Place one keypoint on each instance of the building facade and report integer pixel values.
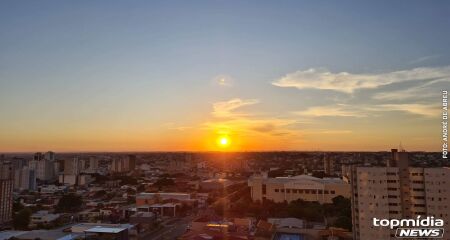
(6, 191)
(397, 191)
(44, 166)
(303, 187)
(25, 179)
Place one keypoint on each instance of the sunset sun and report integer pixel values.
(223, 141)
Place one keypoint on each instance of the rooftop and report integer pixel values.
(305, 178)
(100, 229)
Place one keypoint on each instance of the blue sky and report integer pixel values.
(90, 75)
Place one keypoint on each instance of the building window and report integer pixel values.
(264, 189)
(276, 190)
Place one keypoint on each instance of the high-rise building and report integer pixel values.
(93, 164)
(328, 164)
(73, 166)
(25, 179)
(49, 156)
(117, 165)
(397, 191)
(131, 162)
(6, 191)
(74, 172)
(19, 163)
(44, 165)
(123, 164)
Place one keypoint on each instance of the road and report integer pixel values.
(170, 231)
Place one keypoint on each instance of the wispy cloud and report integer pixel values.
(425, 110)
(227, 108)
(336, 131)
(420, 91)
(173, 126)
(348, 82)
(342, 110)
(327, 131)
(263, 125)
(223, 80)
(423, 59)
(338, 110)
(228, 119)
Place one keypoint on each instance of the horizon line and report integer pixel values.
(208, 151)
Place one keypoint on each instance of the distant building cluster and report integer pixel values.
(196, 196)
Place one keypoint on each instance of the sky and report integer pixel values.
(179, 75)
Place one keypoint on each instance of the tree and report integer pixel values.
(17, 206)
(318, 174)
(275, 173)
(69, 203)
(21, 220)
(162, 182)
(131, 191)
(342, 206)
(127, 180)
(100, 194)
(140, 188)
(343, 222)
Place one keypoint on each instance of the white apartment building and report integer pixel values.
(44, 165)
(25, 179)
(395, 192)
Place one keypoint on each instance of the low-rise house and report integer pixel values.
(151, 198)
(89, 215)
(287, 223)
(45, 235)
(166, 209)
(52, 189)
(215, 184)
(44, 218)
(105, 231)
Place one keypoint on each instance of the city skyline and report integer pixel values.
(215, 76)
